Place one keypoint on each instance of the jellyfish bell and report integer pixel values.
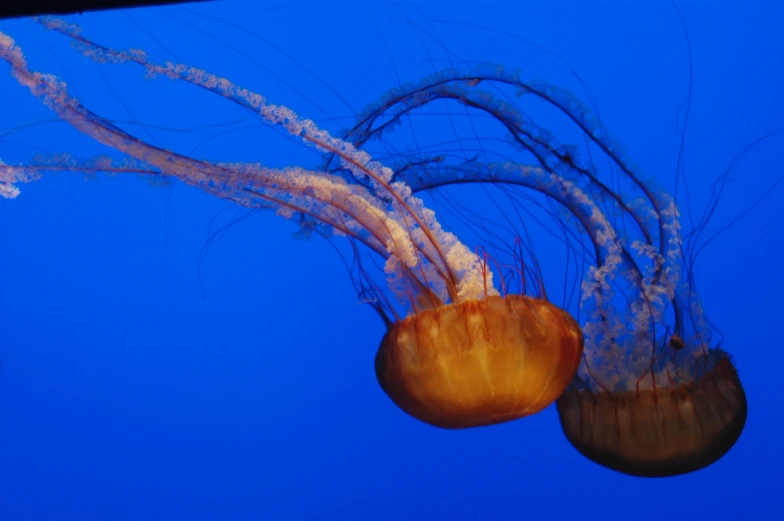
(479, 362)
(458, 353)
(660, 431)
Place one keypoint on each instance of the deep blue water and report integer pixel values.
(136, 386)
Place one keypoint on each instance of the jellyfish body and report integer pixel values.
(655, 433)
(457, 353)
(479, 362)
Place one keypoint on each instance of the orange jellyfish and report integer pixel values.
(655, 395)
(458, 352)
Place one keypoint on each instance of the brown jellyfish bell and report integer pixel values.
(658, 432)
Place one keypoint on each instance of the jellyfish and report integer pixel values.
(655, 393)
(640, 381)
(458, 352)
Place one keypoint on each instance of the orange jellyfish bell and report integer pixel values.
(479, 362)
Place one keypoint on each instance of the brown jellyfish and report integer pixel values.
(654, 395)
(666, 430)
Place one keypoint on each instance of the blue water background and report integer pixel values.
(126, 394)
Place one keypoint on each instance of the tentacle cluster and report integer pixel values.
(636, 297)
(425, 265)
